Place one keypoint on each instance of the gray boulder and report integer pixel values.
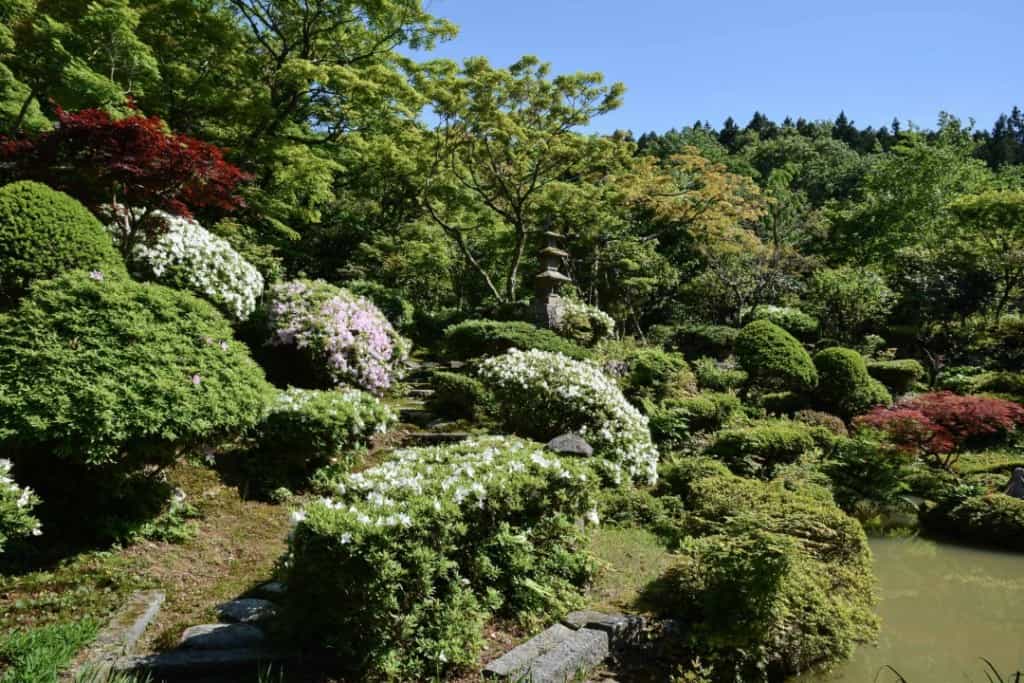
(247, 611)
(570, 444)
(1016, 486)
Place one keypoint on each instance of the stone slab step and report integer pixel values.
(247, 611)
(413, 416)
(431, 438)
(556, 655)
(195, 665)
(122, 632)
(221, 637)
(420, 393)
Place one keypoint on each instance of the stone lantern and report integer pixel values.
(547, 303)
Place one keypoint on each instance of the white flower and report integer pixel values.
(298, 516)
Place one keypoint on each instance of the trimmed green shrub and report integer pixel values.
(400, 570)
(760, 447)
(44, 233)
(866, 468)
(476, 338)
(817, 418)
(1005, 383)
(774, 358)
(696, 340)
(718, 377)
(778, 580)
(305, 429)
(899, 376)
(677, 476)
(459, 396)
(541, 395)
(655, 375)
(792, 320)
(102, 377)
(992, 519)
(845, 387)
(784, 403)
(960, 379)
(674, 421)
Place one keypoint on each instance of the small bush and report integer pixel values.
(792, 320)
(784, 403)
(43, 234)
(16, 503)
(674, 421)
(817, 418)
(899, 376)
(541, 395)
(774, 358)
(960, 379)
(718, 377)
(476, 338)
(582, 323)
(778, 580)
(845, 387)
(656, 375)
(459, 396)
(868, 468)
(339, 338)
(848, 301)
(759, 448)
(677, 476)
(695, 341)
(305, 429)
(993, 519)
(400, 570)
(1003, 382)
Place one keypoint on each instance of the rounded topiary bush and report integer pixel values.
(761, 447)
(774, 358)
(459, 396)
(675, 420)
(328, 336)
(696, 340)
(844, 387)
(190, 257)
(655, 374)
(541, 395)
(792, 320)
(582, 323)
(102, 376)
(899, 376)
(476, 338)
(44, 233)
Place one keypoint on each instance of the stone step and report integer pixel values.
(123, 631)
(247, 611)
(197, 665)
(435, 438)
(420, 393)
(415, 416)
(221, 637)
(556, 655)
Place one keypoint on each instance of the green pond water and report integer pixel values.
(942, 607)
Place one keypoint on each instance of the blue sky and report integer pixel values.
(683, 60)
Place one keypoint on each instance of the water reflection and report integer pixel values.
(942, 607)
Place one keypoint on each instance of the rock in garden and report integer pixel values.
(1016, 486)
(570, 444)
(221, 637)
(247, 611)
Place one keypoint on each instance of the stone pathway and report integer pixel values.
(428, 428)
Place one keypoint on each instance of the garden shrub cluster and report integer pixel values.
(582, 323)
(343, 338)
(792, 320)
(776, 579)
(188, 256)
(16, 503)
(459, 396)
(774, 359)
(44, 233)
(899, 376)
(868, 468)
(992, 519)
(759, 448)
(844, 387)
(402, 566)
(102, 377)
(541, 395)
(655, 375)
(475, 338)
(673, 421)
(698, 340)
(716, 376)
(304, 429)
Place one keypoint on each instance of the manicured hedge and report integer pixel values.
(760, 447)
(459, 396)
(793, 320)
(673, 421)
(696, 340)
(774, 358)
(476, 338)
(845, 387)
(655, 374)
(993, 519)
(44, 233)
(899, 376)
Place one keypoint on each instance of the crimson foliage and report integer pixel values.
(940, 423)
(130, 162)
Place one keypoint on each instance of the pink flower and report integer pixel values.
(196, 379)
(96, 275)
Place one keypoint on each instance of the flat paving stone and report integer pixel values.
(195, 665)
(619, 627)
(582, 651)
(272, 588)
(247, 611)
(518, 660)
(221, 637)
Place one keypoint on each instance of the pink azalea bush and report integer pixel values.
(346, 333)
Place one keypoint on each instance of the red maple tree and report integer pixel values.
(939, 424)
(126, 168)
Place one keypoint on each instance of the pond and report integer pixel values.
(943, 607)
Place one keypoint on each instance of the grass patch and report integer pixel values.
(39, 654)
(632, 559)
(999, 461)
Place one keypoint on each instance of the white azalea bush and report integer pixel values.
(188, 256)
(344, 336)
(16, 503)
(541, 395)
(402, 565)
(583, 323)
(307, 428)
